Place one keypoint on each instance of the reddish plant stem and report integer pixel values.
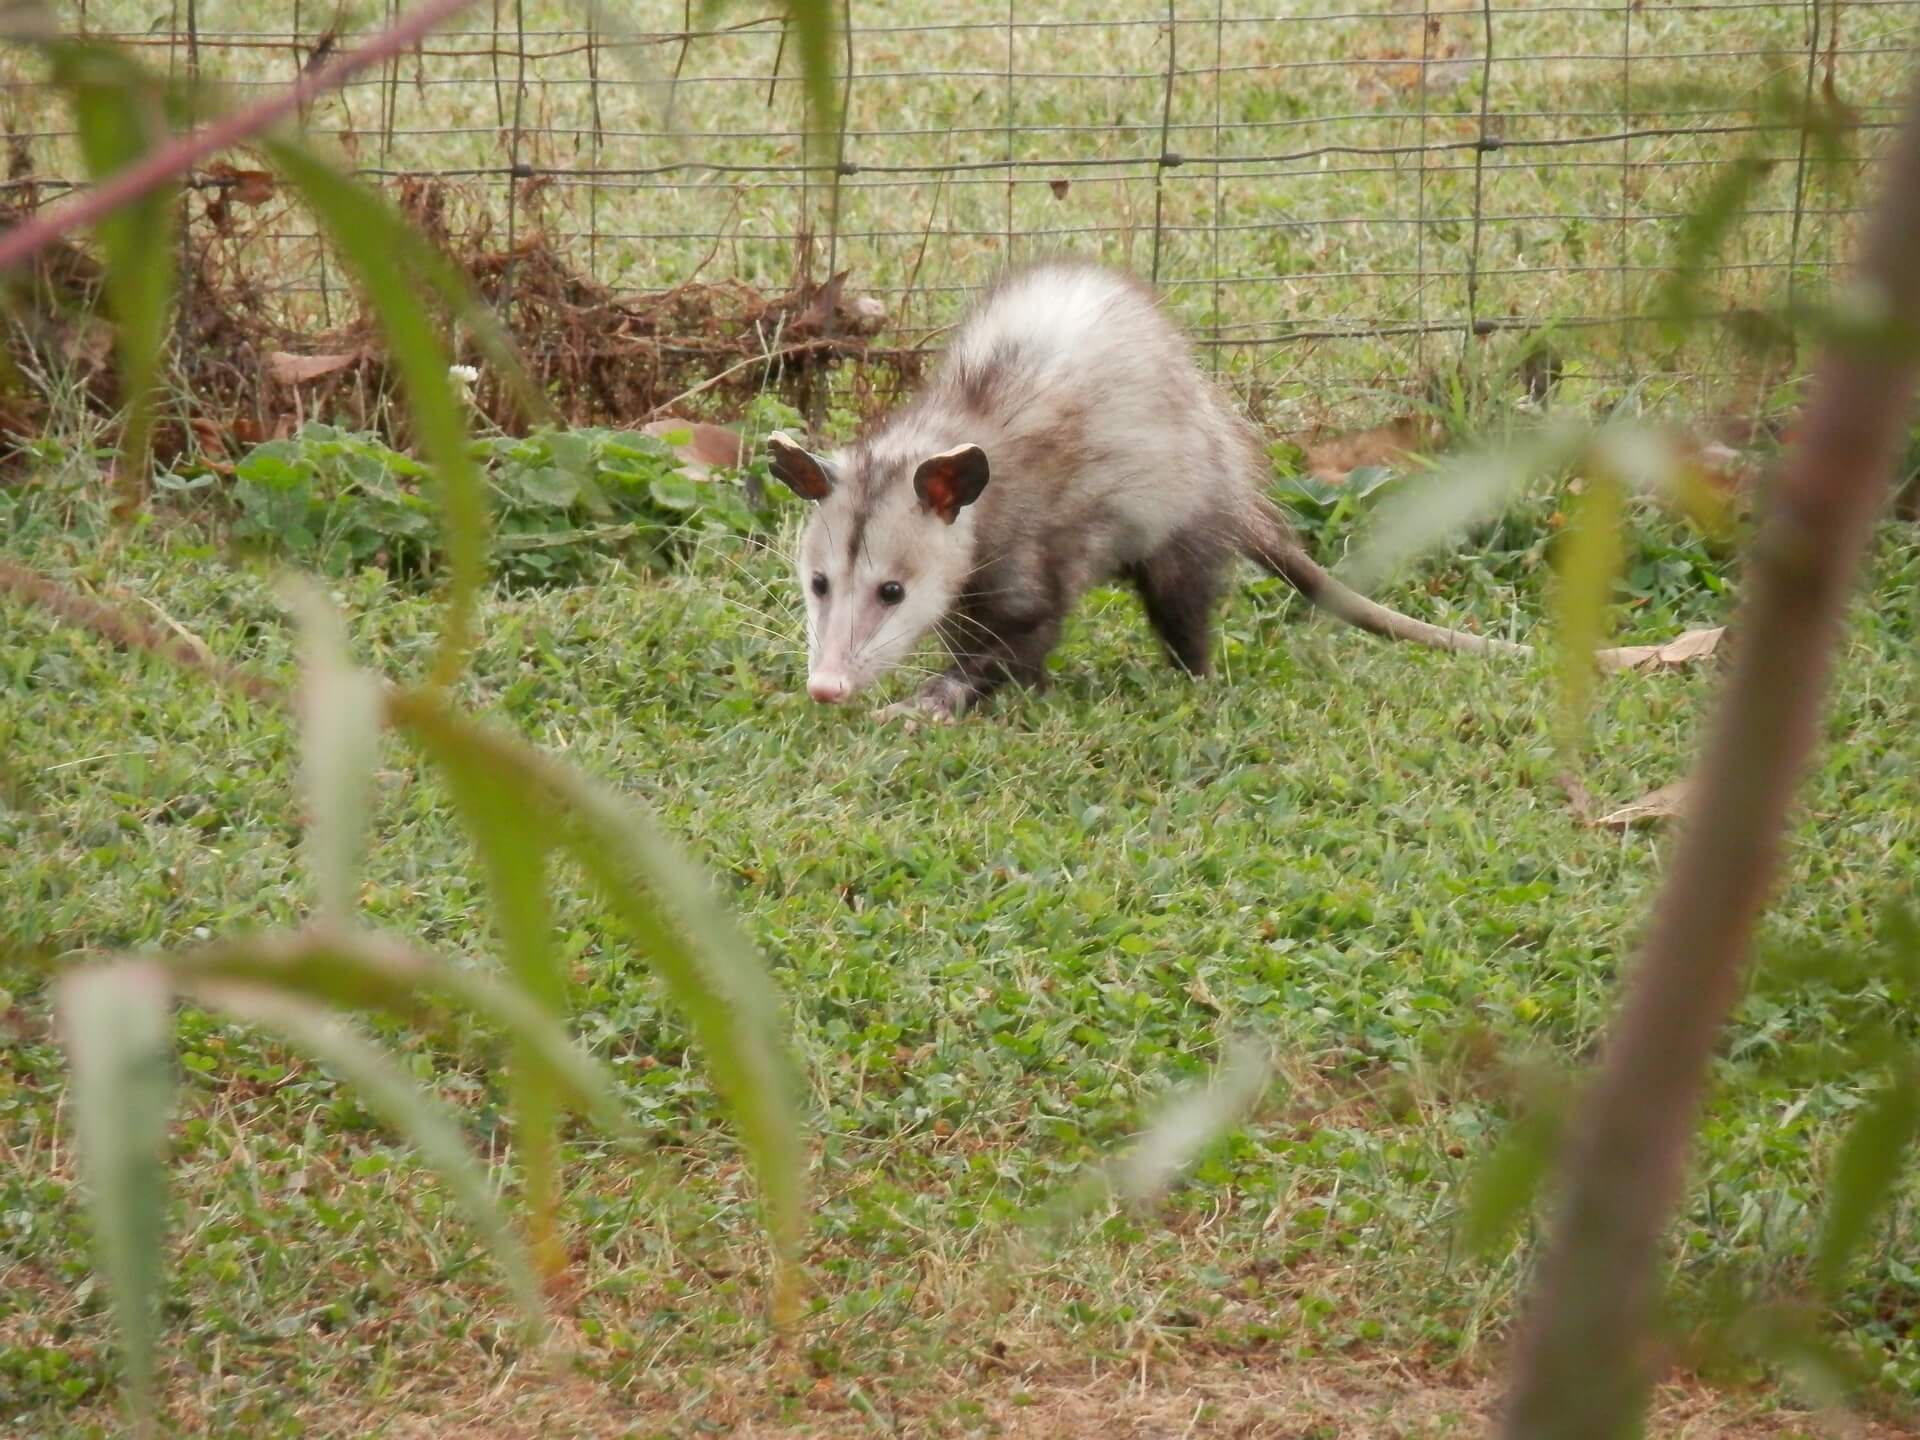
(1582, 1366)
(133, 634)
(181, 154)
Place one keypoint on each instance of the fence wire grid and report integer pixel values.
(1332, 200)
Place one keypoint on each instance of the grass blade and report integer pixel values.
(418, 1117)
(1864, 1174)
(373, 239)
(431, 269)
(706, 963)
(340, 716)
(119, 118)
(115, 1022)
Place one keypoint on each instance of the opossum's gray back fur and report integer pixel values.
(1104, 437)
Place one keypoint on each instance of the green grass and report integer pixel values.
(999, 944)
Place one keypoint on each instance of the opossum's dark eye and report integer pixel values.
(819, 584)
(892, 593)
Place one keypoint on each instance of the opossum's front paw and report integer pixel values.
(911, 714)
(939, 703)
(915, 713)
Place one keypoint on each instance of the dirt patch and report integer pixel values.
(1303, 1401)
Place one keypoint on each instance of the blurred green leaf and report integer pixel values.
(1590, 559)
(426, 1124)
(340, 719)
(374, 240)
(1703, 231)
(1864, 1173)
(344, 968)
(116, 1022)
(1185, 1125)
(119, 117)
(1455, 495)
(1190, 1122)
(814, 26)
(1505, 1183)
(683, 932)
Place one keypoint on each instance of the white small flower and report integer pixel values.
(463, 377)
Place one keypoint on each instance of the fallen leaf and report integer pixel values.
(212, 442)
(1332, 461)
(825, 302)
(292, 369)
(243, 187)
(705, 448)
(1683, 649)
(1579, 798)
(1666, 803)
(253, 187)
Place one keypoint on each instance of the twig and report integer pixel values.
(799, 348)
(124, 630)
(180, 155)
(1582, 1367)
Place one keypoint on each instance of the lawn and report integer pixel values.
(1000, 946)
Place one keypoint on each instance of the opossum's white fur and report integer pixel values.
(1107, 452)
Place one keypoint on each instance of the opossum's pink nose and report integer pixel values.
(829, 689)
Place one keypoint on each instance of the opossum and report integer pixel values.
(1110, 456)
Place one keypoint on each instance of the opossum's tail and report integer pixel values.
(1270, 542)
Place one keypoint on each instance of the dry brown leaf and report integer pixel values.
(706, 447)
(242, 187)
(1198, 992)
(1666, 803)
(1331, 461)
(1579, 798)
(1683, 649)
(292, 369)
(212, 442)
(825, 302)
(252, 187)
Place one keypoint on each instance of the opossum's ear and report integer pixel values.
(807, 475)
(951, 479)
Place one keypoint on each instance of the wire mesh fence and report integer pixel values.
(1334, 200)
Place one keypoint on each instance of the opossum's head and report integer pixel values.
(883, 558)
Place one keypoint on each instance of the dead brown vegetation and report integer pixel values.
(241, 373)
